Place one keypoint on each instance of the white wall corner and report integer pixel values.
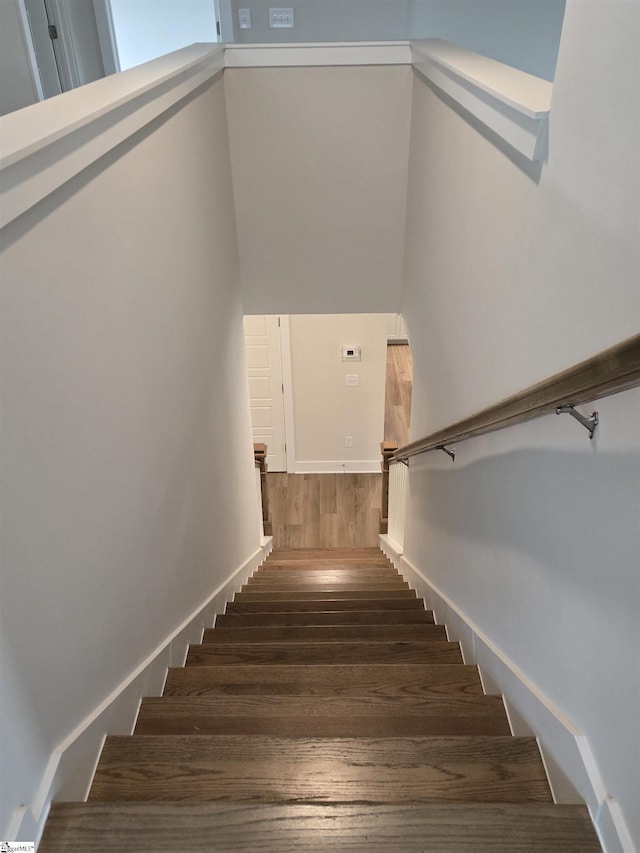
(568, 759)
(513, 104)
(69, 772)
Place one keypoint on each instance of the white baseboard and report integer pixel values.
(72, 764)
(338, 466)
(569, 762)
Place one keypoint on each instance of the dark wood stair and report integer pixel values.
(325, 711)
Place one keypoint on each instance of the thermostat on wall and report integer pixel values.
(350, 353)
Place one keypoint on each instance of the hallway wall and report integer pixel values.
(123, 384)
(319, 159)
(511, 276)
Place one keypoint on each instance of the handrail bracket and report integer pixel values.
(451, 453)
(589, 423)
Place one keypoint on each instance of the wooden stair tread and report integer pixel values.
(218, 827)
(327, 582)
(268, 769)
(317, 618)
(324, 633)
(290, 716)
(328, 594)
(431, 651)
(332, 604)
(388, 680)
(346, 573)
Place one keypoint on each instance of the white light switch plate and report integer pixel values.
(281, 19)
(351, 379)
(244, 19)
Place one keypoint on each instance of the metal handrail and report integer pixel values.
(611, 371)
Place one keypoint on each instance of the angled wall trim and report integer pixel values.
(513, 104)
(571, 766)
(46, 145)
(69, 772)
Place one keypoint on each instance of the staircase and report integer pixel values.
(325, 711)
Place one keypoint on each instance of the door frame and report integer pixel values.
(287, 386)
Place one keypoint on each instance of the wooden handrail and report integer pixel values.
(613, 370)
(260, 455)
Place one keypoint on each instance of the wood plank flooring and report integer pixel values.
(397, 398)
(324, 711)
(325, 510)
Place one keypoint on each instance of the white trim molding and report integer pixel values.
(46, 145)
(569, 761)
(72, 763)
(513, 104)
(337, 466)
(310, 55)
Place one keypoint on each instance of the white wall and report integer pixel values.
(325, 409)
(326, 21)
(16, 83)
(126, 436)
(510, 278)
(319, 159)
(146, 29)
(521, 33)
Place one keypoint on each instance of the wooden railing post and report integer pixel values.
(387, 448)
(260, 455)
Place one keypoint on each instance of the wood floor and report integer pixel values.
(397, 401)
(325, 711)
(325, 510)
(341, 510)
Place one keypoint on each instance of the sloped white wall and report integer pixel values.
(127, 465)
(512, 276)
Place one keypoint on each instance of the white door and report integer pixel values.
(43, 48)
(264, 364)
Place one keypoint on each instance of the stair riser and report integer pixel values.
(326, 633)
(310, 727)
(352, 618)
(315, 575)
(386, 681)
(327, 594)
(256, 585)
(330, 654)
(325, 605)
